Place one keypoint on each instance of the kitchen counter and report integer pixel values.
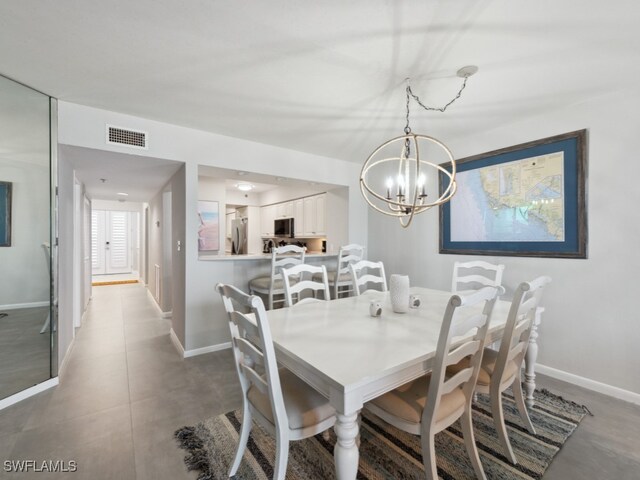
(258, 256)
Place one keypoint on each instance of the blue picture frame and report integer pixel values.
(5, 214)
(481, 224)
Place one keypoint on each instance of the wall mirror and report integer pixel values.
(27, 319)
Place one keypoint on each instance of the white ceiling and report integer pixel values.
(322, 77)
(140, 177)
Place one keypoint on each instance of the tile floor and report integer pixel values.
(24, 352)
(126, 390)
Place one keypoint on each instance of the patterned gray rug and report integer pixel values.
(388, 453)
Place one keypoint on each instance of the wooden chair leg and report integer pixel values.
(470, 443)
(522, 408)
(498, 421)
(429, 455)
(245, 429)
(282, 457)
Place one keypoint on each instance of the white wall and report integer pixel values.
(157, 238)
(205, 323)
(66, 248)
(25, 277)
(590, 327)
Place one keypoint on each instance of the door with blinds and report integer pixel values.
(110, 242)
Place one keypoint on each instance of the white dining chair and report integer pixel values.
(477, 274)
(303, 283)
(273, 285)
(433, 402)
(501, 369)
(363, 274)
(282, 403)
(340, 280)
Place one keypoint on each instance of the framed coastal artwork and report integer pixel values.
(526, 200)
(5, 214)
(208, 226)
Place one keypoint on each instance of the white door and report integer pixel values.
(110, 247)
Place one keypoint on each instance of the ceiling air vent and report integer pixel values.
(126, 136)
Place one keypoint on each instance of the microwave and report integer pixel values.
(283, 227)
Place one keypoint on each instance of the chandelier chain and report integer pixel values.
(410, 94)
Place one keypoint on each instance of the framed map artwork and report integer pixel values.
(526, 200)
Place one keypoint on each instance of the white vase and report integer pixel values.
(399, 292)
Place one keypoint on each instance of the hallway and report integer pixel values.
(122, 394)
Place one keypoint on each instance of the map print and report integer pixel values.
(519, 201)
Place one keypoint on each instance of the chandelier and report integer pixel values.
(402, 164)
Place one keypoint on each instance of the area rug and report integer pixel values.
(389, 453)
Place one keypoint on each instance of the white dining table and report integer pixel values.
(351, 357)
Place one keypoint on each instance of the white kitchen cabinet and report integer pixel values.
(298, 217)
(314, 211)
(284, 210)
(321, 214)
(267, 216)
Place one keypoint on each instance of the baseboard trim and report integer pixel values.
(155, 304)
(176, 342)
(15, 306)
(29, 392)
(67, 355)
(211, 348)
(590, 384)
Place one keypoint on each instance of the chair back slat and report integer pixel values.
(304, 279)
(246, 326)
(484, 273)
(285, 257)
(516, 351)
(466, 324)
(464, 350)
(461, 320)
(253, 346)
(255, 379)
(253, 356)
(515, 338)
(361, 279)
(347, 255)
(454, 382)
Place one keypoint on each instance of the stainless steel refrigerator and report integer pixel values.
(239, 236)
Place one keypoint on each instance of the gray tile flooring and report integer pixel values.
(24, 352)
(125, 390)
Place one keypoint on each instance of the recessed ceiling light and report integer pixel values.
(245, 187)
(122, 194)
